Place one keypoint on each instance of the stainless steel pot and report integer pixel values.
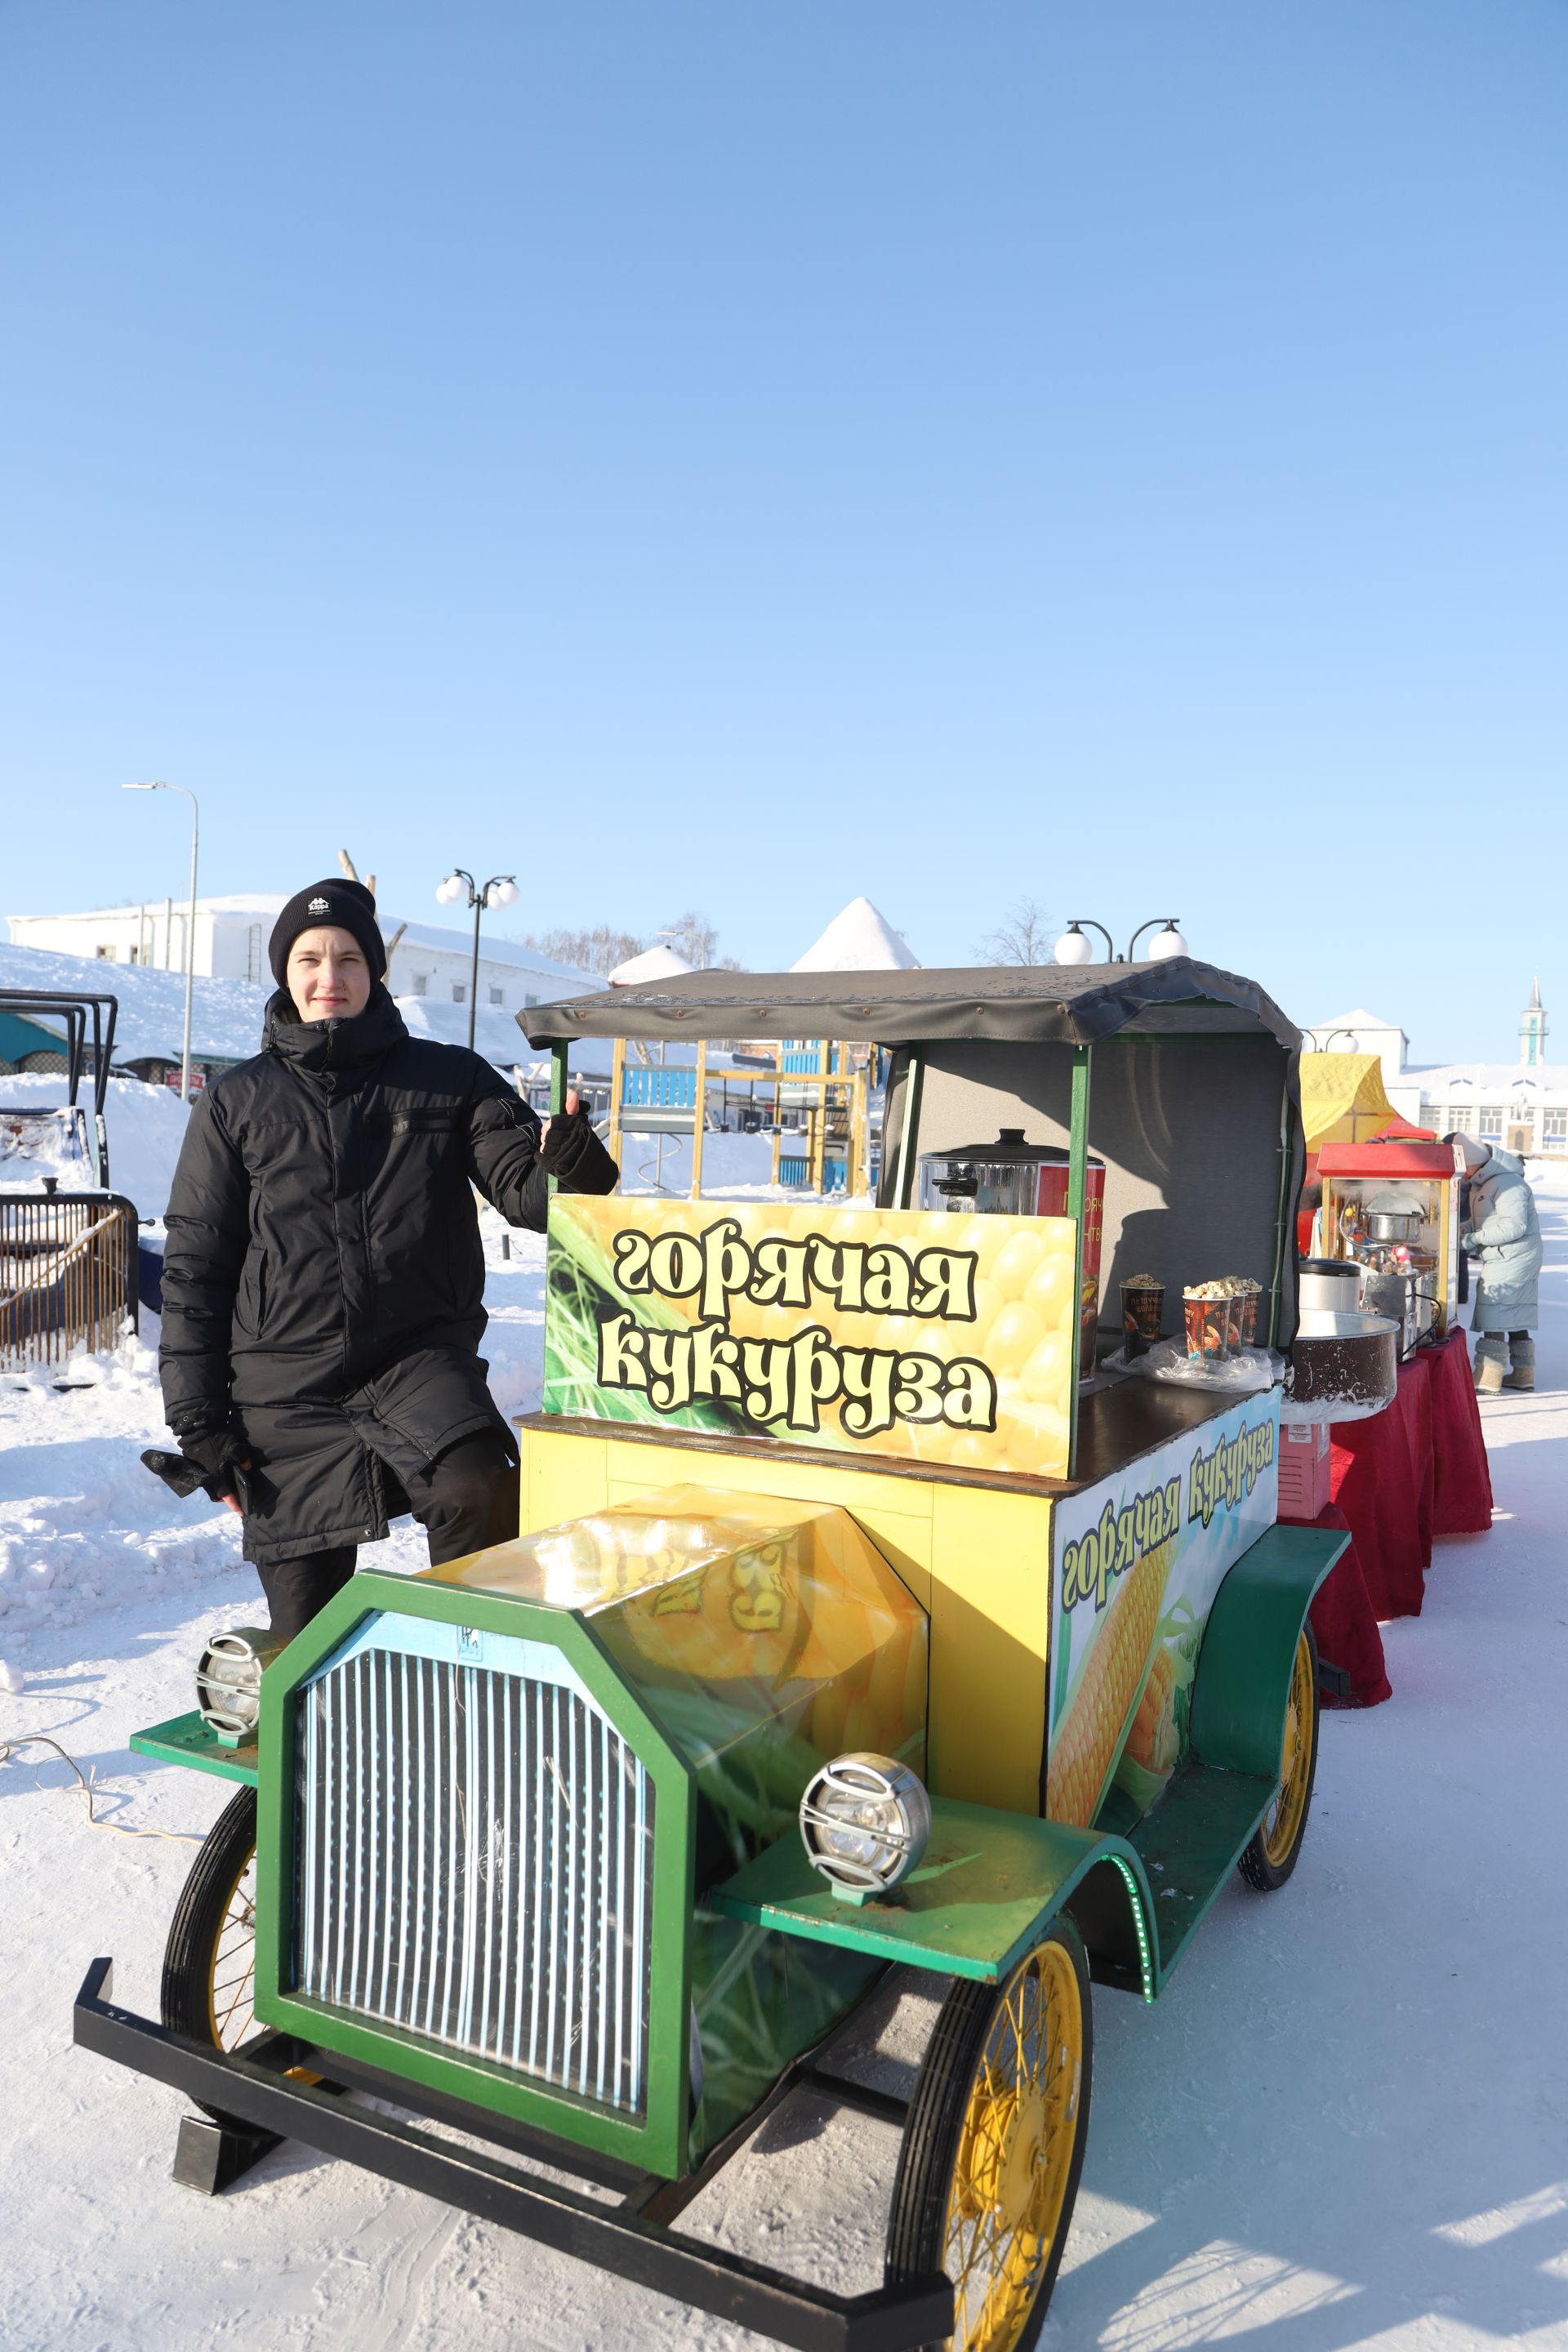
(1332, 1283)
(1394, 1224)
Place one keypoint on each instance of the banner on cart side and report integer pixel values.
(1138, 1559)
(935, 1337)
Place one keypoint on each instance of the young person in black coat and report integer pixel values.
(323, 1278)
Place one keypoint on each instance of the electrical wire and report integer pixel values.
(88, 1784)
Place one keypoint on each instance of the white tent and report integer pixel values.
(654, 963)
(859, 939)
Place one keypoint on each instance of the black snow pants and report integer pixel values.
(467, 1499)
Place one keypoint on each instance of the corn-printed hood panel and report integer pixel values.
(765, 1637)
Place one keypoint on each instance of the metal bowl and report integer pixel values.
(1394, 1224)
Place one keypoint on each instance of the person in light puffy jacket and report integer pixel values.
(1504, 1238)
(323, 1278)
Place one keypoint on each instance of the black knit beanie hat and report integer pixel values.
(347, 905)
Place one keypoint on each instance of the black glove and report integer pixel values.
(209, 1459)
(575, 1156)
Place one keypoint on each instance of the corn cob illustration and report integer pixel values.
(1152, 1742)
(1089, 1738)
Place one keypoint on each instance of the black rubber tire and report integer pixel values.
(1263, 1876)
(929, 2150)
(186, 1996)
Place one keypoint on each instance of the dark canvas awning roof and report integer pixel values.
(1008, 1004)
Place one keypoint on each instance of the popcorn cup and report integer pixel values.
(1250, 1300)
(1208, 1329)
(1142, 1312)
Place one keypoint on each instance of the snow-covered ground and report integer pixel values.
(145, 1125)
(1346, 2124)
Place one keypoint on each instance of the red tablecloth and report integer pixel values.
(1415, 1471)
(1345, 1622)
(1381, 1475)
(1462, 1483)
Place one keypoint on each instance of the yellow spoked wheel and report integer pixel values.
(1271, 1857)
(995, 2145)
(209, 1961)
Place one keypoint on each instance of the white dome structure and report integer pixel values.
(860, 938)
(654, 963)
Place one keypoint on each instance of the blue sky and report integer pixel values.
(743, 456)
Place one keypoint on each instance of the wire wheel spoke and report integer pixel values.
(232, 1973)
(1014, 2153)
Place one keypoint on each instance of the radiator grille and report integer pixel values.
(474, 1863)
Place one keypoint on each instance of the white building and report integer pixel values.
(1521, 1105)
(1361, 1032)
(231, 936)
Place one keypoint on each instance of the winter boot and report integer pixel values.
(1521, 1360)
(1491, 1357)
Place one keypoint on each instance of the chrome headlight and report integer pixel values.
(228, 1683)
(865, 1820)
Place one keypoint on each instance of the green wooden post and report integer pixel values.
(1281, 1223)
(909, 1130)
(1078, 1194)
(558, 1076)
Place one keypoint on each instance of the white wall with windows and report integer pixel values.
(1524, 1110)
(230, 943)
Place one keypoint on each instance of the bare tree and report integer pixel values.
(1024, 937)
(353, 874)
(599, 950)
(602, 948)
(693, 937)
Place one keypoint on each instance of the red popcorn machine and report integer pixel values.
(1393, 1209)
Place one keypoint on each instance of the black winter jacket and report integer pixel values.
(323, 1277)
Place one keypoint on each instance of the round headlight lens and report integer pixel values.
(228, 1683)
(865, 1820)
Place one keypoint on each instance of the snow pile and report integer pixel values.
(145, 1125)
(859, 938)
(496, 1033)
(226, 1014)
(654, 963)
(83, 1525)
(734, 1167)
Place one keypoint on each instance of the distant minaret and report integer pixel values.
(1533, 1030)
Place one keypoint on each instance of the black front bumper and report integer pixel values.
(624, 2237)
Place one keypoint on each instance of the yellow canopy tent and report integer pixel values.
(1342, 1099)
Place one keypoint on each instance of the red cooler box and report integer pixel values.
(1303, 1469)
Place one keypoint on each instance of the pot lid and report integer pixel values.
(1342, 1270)
(1008, 1151)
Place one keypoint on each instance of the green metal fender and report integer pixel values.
(1244, 1667)
(988, 1887)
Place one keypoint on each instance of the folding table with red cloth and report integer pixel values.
(1345, 1622)
(1414, 1471)
(1381, 1475)
(1462, 1479)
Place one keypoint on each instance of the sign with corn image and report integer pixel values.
(1138, 1560)
(942, 1337)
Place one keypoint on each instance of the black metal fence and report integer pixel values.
(68, 1274)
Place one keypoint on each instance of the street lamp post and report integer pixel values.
(1167, 940)
(190, 926)
(1073, 948)
(500, 890)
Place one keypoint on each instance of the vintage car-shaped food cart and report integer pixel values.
(859, 1621)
